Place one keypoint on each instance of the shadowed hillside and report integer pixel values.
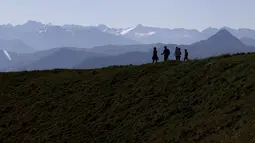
(208, 100)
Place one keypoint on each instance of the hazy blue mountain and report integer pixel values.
(18, 61)
(45, 36)
(5, 58)
(65, 57)
(15, 45)
(117, 49)
(241, 32)
(30, 26)
(8, 59)
(149, 35)
(208, 32)
(56, 36)
(248, 41)
(221, 43)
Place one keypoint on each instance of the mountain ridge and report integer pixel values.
(223, 42)
(45, 36)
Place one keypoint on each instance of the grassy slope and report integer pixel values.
(205, 100)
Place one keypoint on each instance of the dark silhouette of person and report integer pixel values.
(155, 55)
(176, 48)
(166, 53)
(186, 54)
(177, 54)
(180, 54)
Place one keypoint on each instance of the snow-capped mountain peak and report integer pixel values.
(125, 31)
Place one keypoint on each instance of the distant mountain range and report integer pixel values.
(223, 42)
(46, 36)
(35, 36)
(149, 35)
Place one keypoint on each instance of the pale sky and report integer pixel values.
(191, 14)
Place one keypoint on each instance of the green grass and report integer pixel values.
(210, 100)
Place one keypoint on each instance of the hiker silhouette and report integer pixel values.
(166, 53)
(155, 55)
(186, 54)
(177, 53)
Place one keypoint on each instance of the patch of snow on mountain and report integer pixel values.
(6, 53)
(43, 31)
(125, 31)
(151, 33)
(145, 34)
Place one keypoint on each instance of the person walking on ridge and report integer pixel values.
(177, 53)
(180, 53)
(155, 55)
(186, 54)
(166, 53)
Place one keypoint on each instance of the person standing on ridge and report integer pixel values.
(180, 53)
(177, 53)
(155, 55)
(186, 54)
(166, 53)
